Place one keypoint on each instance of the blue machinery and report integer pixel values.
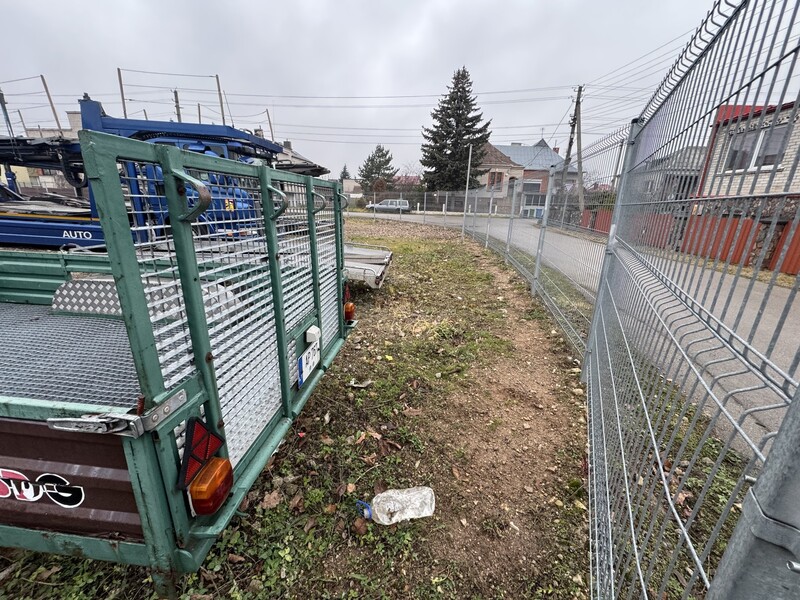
(51, 220)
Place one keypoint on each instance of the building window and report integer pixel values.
(495, 180)
(532, 187)
(757, 148)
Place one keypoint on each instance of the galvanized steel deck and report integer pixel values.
(65, 358)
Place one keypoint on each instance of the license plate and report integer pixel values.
(307, 362)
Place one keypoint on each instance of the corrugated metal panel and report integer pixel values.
(65, 482)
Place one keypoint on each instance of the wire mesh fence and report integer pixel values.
(669, 253)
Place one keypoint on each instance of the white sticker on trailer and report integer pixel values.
(307, 362)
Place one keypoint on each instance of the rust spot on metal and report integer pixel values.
(220, 425)
(209, 357)
(140, 405)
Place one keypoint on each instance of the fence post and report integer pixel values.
(424, 207)
(548, 199)
(762, 558)
(511, 219)
(489, 218)
(474, 216)
(627, 165)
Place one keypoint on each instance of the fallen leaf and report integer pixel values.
(341, 489)
(389, 358)
(329, 509)
(361, 438)
(296, 504)
(271, 500)
(310, 524)
(44, 575)
(351, 487)
(373, 433)
(7, 571)
(682, 496)
(463, 522)
(385, 446)
(456, 472)
(328, 441)
(370, 459)
(206, 575)
(360, 526)
(235, 558)
(412, 412)
(580, 505)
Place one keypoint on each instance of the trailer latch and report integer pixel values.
(120, 423)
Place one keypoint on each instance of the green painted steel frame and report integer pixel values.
(175, 542)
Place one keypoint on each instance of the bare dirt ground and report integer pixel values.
(510, 442)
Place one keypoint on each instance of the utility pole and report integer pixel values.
(177, 106)
(122, 93)
(52, 106)
(230, 114)
(21, 120)
(271, 131)
(5, 116)
(580, 149)
(219, 94)
(568, 157)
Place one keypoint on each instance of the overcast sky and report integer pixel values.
(331, 72)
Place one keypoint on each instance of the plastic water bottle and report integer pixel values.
(393, 506)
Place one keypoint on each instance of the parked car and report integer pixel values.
(392, 205)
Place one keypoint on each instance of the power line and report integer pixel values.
(683, 35)
(167, 74)
(20, 79)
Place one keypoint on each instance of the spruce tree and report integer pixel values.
(457, 123)
(377, 173)
(345, 174)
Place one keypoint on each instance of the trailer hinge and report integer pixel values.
(120, 423)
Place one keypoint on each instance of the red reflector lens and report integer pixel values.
(201, 445)
(211, 487)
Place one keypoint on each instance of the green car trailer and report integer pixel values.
(145, 386)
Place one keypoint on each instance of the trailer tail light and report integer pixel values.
(211, 487)
(207, 478)
(349, 311)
